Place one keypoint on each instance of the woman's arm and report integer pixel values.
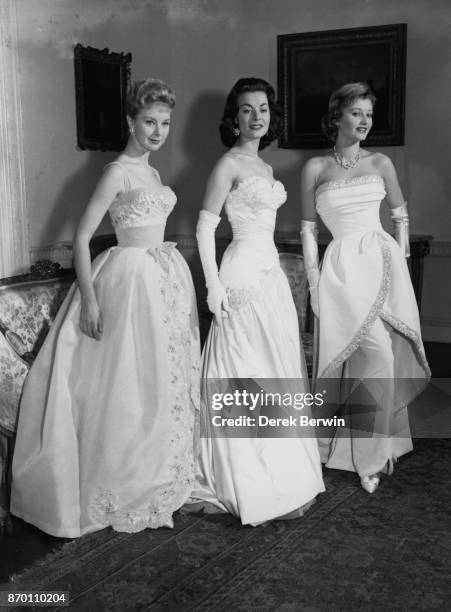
(309, 176)
(388, 172)
(108, 187)
(309, 239)
(218, 186)
(396, 203)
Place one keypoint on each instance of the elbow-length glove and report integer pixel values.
(205, 234)
(310, 251)
(400, 220)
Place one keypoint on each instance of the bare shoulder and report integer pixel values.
(380, 162)
(269, 168)
(313, 168)
(156, 173)
(113, 175)
(114, 169)
(226, 167)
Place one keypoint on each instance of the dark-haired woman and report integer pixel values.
(254, 334)
(369, 328)
(105, 433)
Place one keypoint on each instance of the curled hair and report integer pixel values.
(340, 99)
(228, 121)
(146, 92)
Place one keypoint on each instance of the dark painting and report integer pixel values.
(101, 83)
(313, 65)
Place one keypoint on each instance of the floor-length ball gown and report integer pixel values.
(256, 479)
(369, 329)
(105, 432)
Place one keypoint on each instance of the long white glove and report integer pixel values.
(400, 218)
(205, 234)
(310, 252)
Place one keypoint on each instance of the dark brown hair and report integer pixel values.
(228, 121)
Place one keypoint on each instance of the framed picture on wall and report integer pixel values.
(314, 64)
(101, 83)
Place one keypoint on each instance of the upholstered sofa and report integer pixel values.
(27, 308)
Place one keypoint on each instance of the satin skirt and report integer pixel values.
(256, 479)
(105, 432)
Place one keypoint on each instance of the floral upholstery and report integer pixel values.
(293, 266)
(27, 310)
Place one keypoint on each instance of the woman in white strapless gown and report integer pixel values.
(105, 432)
(369, 329)
(255, 333)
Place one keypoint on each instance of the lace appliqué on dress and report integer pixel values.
(184, 375)
(356, 180)
(238, 297)
(106, 509)
(254, 193)
(409, 333)
(138, 207)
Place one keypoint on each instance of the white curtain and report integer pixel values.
(14, 248)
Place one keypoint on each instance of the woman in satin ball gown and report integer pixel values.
(105, 434)
(369, 334)
(254, 333)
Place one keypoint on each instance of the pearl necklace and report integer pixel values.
(346, 164)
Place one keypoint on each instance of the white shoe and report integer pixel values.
(370, 483)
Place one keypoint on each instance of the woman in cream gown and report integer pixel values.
(105, 432)
(369, 329)
(255, 333)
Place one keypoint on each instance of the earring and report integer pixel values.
(131, 128)
(236, 132)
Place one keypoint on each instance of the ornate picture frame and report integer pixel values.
(314, 64)
(102, 79)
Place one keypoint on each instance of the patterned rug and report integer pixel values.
(351, 551)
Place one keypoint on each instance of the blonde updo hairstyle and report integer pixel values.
(146, 92)
(340, 99)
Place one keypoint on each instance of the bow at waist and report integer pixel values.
(162, 254)
(149, 239)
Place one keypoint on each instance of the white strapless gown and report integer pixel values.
(105, 432)
(369, 323)
(256, 479)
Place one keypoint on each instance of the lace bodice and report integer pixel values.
(139, 207)
(251, 208)
(351, 205)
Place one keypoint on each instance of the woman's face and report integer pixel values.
(356, 120)
(253, 115)
(150, 127)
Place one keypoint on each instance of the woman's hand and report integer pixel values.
(314, 301)
(91, 323)
(217, 301)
